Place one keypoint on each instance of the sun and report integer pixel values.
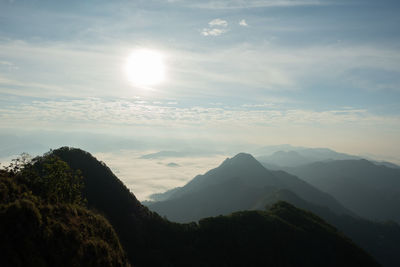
(145, 67)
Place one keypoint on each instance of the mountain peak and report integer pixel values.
(240, 159)
(242, 165)
(243, 156)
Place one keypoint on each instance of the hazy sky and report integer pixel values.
(306, 72)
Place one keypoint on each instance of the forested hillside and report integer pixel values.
(44, 221)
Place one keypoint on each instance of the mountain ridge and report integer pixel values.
(377, 186)
(213, 200)
(254, 174)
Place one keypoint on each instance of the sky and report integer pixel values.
(238, 74)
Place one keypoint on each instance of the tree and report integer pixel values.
(50, 178)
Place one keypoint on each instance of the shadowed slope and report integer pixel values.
(370, 190)
(36, 232)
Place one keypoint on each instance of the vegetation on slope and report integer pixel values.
(43, 221)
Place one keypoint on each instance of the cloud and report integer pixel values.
(280, 68)
(243, 23)
(240, 4)
(213, 32)
(145, 177)
(253, 123)
(218, 22)
(217, 27)
(8, 65)
(247, 69)
(131, 113)
(70, 69)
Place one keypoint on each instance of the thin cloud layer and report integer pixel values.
(120, 112)
(217, 27)
(218, 22)
(239, 4)
(213, 32)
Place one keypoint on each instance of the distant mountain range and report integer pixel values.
(278, 156)
(296, 156)
(242, 183)
(368, 189)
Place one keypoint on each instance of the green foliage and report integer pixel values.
(51, 179)
(18, 163)
(42, 221)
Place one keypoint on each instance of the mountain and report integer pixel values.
(241, 183)
(276, 157)
(134, 223)
(370, 190)
(235, 185)
(379, 239)
(163, 196)
(288, 158)
(172, 165)
(271, 149)
(323, 154)
(387, 164)
(280, 236)
(38, 228)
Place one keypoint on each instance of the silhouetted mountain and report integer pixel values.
(134, 223)
(370, 190)
(163, 196)
(379, 239)
(242, 176)
(216, 199)
(294, 237)
(42, 229)
(208, 195)
(261, 238)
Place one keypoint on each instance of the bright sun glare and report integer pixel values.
(145, 67)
